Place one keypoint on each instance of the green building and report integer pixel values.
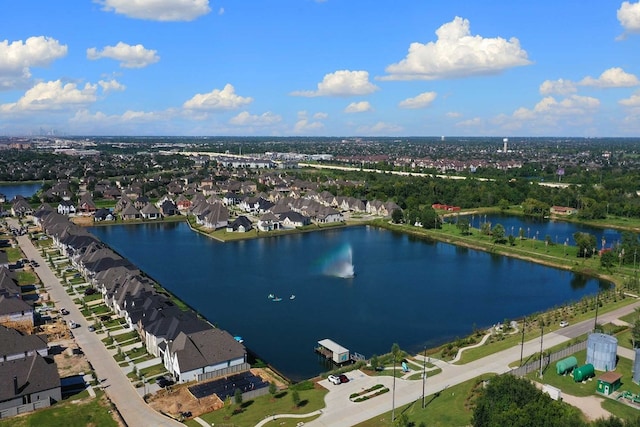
(609, 382)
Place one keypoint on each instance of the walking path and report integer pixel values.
(341, 412)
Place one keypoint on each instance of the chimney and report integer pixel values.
(15, 386)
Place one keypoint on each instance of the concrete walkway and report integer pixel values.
(339, 411)
(116, 385)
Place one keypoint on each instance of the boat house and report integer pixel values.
(333, 351)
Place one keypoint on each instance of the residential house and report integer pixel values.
(182, 203)
(563, 210)
(86, 206)
(208, 351)
(20, 207)
(103, 214)
(329, 215)
(216, 216)
(242, 224)
(269, 222)
(130, 212)
(294, 220)
(15, 313)
(168, 208)
(66, 207)
(150, 212)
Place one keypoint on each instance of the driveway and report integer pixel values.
(116, 385)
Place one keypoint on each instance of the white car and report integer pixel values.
(333, 379)
(564, 323)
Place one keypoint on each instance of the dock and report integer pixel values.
(336, 353)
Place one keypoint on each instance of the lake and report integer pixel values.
(23, 189)
(558, 231)
(406, 290)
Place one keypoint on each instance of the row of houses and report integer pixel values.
(189, 347)
(28, 376)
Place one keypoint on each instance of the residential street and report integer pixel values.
(116, 385)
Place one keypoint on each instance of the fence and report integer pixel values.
(27, 407)
(224, 372)
(548, 359)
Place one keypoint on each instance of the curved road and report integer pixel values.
(116, 385)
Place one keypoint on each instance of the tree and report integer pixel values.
(396, 216)
(512, 240)
(374, 362)
(586, 244)
(295, 396)
(498, 233)
(607, 259)
(272, 389)
(237, 396)
(463, 226)
(635, 330)
(503, 204)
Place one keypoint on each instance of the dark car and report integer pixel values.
(164, 382)
(343, 378)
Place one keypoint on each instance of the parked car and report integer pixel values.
(343, 378)
(91, 328)
(164, 381)
(64, 311)
(334, 379)
(564, 323)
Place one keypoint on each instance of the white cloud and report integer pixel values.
(557, 87)
(457, 53)
(111, 85)
(454, 114)
(629, 17)
(129, 56)
(632, 101)
(18, 57)
(613, 77)
(358, 107)
(421, 101)
(158, 10)
(380, 128)
(573, 105)
(216, 100)
(246, 119)
(476, 121)
(52, 96)
(129, 116)
(320, 116)
(303, 124)
(221, 11)
(342, 83)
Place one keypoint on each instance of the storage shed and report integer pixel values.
(609, 382)
(334, 351)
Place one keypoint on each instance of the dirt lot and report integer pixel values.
(84, 221)
(69, 359)
(179, 399)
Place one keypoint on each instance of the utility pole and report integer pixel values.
(524, 322)
(595, 322)
(424, 374)
(541, 337)
(393, 395)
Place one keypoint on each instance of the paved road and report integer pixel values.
(117, 386)
(341, 412)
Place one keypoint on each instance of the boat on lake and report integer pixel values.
(276, 299)
(292, 297)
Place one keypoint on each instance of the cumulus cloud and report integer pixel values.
(454, 114)
(457, 53)
(17, 58)
(303, 124)
(380, 128)
(613, 77)
(217, 100)
(573, 105)
(53, 96)
(475, 122)
(358, 107)
(342, 83)
(421, 101)
(111, 85)
(629, 17)
(129, 56)
(246, 119)
(129, 116)
(557, 87)
(320, 116)
(632, 101)
(157, 10)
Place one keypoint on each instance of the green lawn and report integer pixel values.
(255, 410)
(450, 407)
(13, 254)
(26, 277)
(94, 412)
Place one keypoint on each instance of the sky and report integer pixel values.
(343, 68)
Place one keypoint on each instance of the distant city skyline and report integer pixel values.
(321, 68)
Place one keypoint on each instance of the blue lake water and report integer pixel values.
(558, 231)
(406, 290)
(22, 189)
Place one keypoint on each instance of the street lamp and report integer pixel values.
(424, 373)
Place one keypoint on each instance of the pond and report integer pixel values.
(25, 190)
(405, 290)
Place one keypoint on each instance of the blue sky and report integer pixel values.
(320, 68)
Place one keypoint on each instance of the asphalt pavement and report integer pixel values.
(116, 385)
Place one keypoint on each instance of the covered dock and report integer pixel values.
(338, 354)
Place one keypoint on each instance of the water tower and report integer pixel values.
(504, 144)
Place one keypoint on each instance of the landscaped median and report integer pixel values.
(369, 393)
